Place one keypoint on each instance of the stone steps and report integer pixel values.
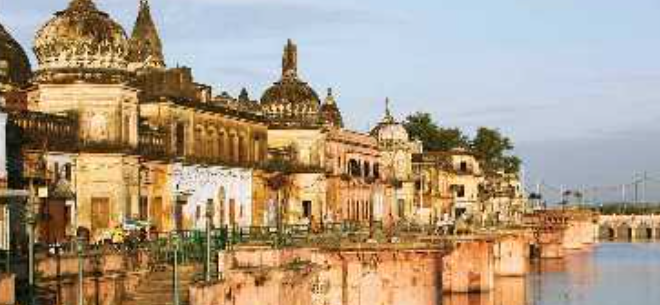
(156, 288)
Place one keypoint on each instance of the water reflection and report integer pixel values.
(610, 274)
(508, 291)
(607, 274)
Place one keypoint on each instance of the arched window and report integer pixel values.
(211, 146)
(354, 168)
(256, 150)
(219, 143)
(199, 142)
(233, 148)
(242, 149)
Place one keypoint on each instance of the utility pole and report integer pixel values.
(623, 193)
(636, 190)
(539, 197)
(644, 178)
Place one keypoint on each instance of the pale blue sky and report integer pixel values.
(561, 77)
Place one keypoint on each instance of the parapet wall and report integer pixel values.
(359, 275)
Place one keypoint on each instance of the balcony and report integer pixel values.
(41, 131)
(153, 143)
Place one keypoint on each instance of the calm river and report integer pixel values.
(608, 274)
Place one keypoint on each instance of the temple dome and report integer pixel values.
(81, 38)
(388, 129)
(291, 91)
(15, 67)
(291, 101)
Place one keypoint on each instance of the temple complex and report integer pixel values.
(106, 133)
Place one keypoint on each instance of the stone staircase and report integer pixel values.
(156, 287)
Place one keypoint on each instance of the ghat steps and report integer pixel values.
(157, 287)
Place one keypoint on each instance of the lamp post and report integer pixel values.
(209, 223)
(80, 247)
(30, 220)
(175, 278)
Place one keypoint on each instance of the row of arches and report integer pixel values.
(221, 145)
(359, 210)
(627, 232)
(362, 168)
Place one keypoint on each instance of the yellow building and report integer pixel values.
(150, 143)
(396, 152)
(334, 172)
(450, 183)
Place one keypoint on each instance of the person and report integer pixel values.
(313, 225)
(118, 235)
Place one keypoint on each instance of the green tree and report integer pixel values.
(421, 126)
(494, 150)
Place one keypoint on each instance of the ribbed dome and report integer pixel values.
(389, 130)
(14, 64)
(291, 91)
(81, 37)
(291, 101)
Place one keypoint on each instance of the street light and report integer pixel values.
(209, 223)
(30, 223)
(175, 248)
(80, 247)
(31, 220)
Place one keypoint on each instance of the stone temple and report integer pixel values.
(108, 134)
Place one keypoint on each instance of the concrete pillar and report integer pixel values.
(469, 267)
(551, 244)
(7, 289)
(511, 256)
(3, 146)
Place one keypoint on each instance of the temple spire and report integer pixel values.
(244, 96)
(330, 98)
(388, 114)
(290, 60)
(145, 48)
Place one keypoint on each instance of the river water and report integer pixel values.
(607, 274)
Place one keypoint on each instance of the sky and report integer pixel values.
(574, 83)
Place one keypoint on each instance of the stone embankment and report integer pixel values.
(477, 269)
(454, 270)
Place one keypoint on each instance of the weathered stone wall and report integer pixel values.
(511, 255)
(362, 275)
(7, 288)
(108, 278)
(550, 244)
(108, 289)
(469, 267)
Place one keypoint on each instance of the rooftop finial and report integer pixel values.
(244, 96)
(330, 98)
(388, 114)
(82, 5)
(290, 60)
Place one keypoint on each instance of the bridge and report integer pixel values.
(629, 227)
